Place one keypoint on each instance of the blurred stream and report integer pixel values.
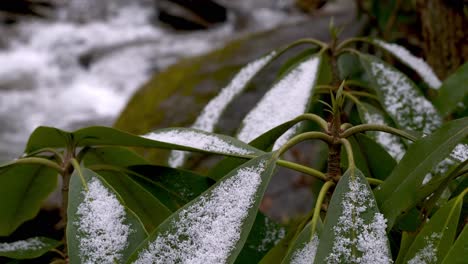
(80, 66)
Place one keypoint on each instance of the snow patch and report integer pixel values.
(102, 233)
(285, 101)
(371, 241)
(207, 231)
(273, 235)
(403, 102)
(306, 254)
(417, 64)
(428, 254)
(28, 244)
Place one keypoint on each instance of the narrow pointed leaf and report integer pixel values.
(304, 248)
(415, 63)
(100, 228)
(458, 252)
(400, 97)
(214, 227)
(437, 236)
(276, 254)
(210, 115)
(399, 192)
(453, 91)
(354, 229)
(391, 143)
(168, 138)
(380, 163)
(288, 98)
(29, 248)
(23, 188)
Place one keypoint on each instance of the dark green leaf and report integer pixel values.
(379, 161)
(23, 188)
(458, 252)
(303, 249)
(100, 229)
(453, 90)
(29, 248)
(400, 192)
(213, 227)
(354, 230)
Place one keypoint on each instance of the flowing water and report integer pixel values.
(80, 67)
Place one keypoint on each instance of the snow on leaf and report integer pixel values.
(428, 254)
(273, 235)
(410, 109)
(417, 64)
(284, 101)
(210, 115)
(27, 244)
(306, 254)
(389, 142)
(101, 231)
(208, 229)
(198, 140)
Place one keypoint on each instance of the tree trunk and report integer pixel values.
(445, 34)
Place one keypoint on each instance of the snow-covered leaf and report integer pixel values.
(400, 97)
(29, 248)
(287, 99)
(100, 228)
(391, 143)
(304, 248)
(437, 236)
(458, 252)
(213, 227)
(401, 190)
(354, 229)
(209, 117)
(415, 63)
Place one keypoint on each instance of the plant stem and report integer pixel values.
(313, 117)
(352, 40)
(56, 153)
(349, 152)
(35, 160)
(375, 127)
(318, 204)
(374, 181)
(77, 167)
(302, 168)
(302, 137)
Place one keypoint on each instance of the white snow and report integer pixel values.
(102, 233)
(27, 244)
(403, 102)
(306, 254)
(197, 140)
(273, 235)
(428, 254)
(458, 154)
(286, 100)
(417, 64)
(371, 241)
(389, 142)
(207, 231)
(210, 115)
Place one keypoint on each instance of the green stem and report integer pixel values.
(315, 118)
(77, 167)
(352, 98)
(302, 168)
(374, 181)
(349, 152)
(57, 154)
(35, 160)
(318, 204)
(375, 127)
(352, 40)
(299, 42)
(302, 137)
(364, 94)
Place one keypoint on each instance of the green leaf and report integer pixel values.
(354, 230)
(380, 163)
(400, 97)
(454, 89)
(263, 236)
(167, 138)
(437, 236)
(304, 248)
(458, 252)
(213, 227)
(276, 254)
(407, 238)
(115, 156)
(29, 248)
(23, 188)
(391, 143)
(100, 229)
(417, 64)
(173, 187)
(400, 192)
(287, 99)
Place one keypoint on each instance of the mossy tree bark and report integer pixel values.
(444, 29)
